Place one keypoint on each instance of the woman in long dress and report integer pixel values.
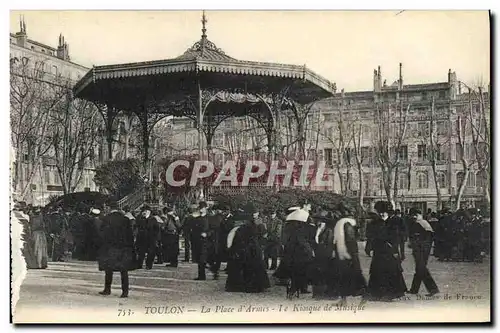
(321, 269)
(386, 274)
(246, 269)
(298, 253)
(39, 240)
(351, 281)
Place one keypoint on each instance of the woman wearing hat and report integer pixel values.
(386, 274)
(298, 252)
(350, 279)
(246, 269)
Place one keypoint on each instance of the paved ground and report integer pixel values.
(75, 285)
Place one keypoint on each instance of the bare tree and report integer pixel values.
(357, 137)
(391, 123)
(34, 96)
(478, 115)
(435, 143)
(74, 133)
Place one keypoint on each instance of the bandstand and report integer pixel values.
(203, 84)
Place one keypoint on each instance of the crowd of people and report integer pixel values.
(305, 246)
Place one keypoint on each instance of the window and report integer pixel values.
(347, 156)
(460, 179)
(440, 153)
(422, 152)
(46, 176)
(483, 151)
(380, 181)
(54, 70)
(442, 179)
(311, 154)
(471, 181)
(482, 179)
(442, 127)
(218, 139)
(422, 180)
(367, 155)
(423, 129)
(328, 117)
(459, 152)
(32, 47)
(403, 153)
(328, 156)
(43, 50)
(469, 151)
(403, 181)
(442, 94)
(367, 179)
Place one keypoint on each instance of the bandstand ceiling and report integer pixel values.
(168, 83)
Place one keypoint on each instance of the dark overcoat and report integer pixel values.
(349, 277)
(386, 273)
(117, 250)
(247, 269)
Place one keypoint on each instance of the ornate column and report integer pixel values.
(274, 103)
(109, 114)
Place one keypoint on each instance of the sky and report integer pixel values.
(343, 46)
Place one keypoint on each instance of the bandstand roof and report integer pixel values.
(126, 86)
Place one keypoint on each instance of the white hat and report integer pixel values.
(95, 211)
(298, 215)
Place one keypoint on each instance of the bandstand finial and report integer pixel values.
(203, 26)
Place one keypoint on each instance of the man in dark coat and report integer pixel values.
(147, 237)
(199, 233)
(443, 236)
(213, 242)
(117, 251)
(272, 246)
(386, 274)
(473, 236)
(226, 225)
(187, 232)
(170, 237)
(421, 243)
(398, 226)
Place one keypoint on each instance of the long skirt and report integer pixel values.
(255, 276)
(386, 277)
(351, 281)
(235, 281)
(40, 245)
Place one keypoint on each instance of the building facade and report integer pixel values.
(346, 129)
(38, 180)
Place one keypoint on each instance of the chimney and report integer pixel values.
(21, 36)
(400, 76)
(377, 80)
(62, 49)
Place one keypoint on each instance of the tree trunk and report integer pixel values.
(396, 186)
(438, 186)
(361, 187)
(462, 187)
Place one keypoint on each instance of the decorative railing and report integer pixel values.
(134, 200)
